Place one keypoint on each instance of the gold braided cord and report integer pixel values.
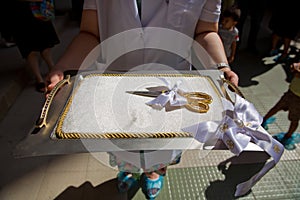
(234, 87)
(60, 134)
(43, 116)
(143, 75)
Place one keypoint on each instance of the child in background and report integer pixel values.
(229, 33)
(290, 102)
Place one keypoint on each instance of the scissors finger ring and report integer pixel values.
(198, 101)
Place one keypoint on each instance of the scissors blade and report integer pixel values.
(146, 93)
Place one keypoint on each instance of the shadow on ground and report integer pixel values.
(106, 190)
(249, 65)
(234, 174)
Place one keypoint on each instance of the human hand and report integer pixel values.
(231, 76)
(295, 67)
(53, 78)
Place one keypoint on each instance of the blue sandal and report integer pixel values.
(288, 143)
(151, 188)
(126, 181)
(270, 120)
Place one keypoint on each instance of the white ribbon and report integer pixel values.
(240, 125)
(170, 96)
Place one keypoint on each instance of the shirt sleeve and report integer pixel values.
(89, 5)
(211, 11)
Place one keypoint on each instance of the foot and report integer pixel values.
(270, 120)
(287, 142)
(127, 180)
(282, 58)
(151, 187)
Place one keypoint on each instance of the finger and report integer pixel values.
(235, 80)
(296, 66)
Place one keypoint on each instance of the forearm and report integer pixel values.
(206, 34)
(212, 43)
(77, 51)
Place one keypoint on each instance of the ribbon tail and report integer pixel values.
(270, 146)
(243, 188)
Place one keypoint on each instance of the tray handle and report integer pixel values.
(43, 116)
(232, 87)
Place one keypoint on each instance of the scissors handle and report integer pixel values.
(197, 106)
(198, 96)
(198, 101)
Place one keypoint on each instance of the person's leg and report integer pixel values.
(292, 129)
(127, 180)
(33, 63)
(268, 119)
(286, 46)
(271, 112)
(128, 174)
(287, 138)
(47, 56)
(293, 108)
(257, 13)
(243, 5)
(275, 40)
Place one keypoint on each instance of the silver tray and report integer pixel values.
(43, 140)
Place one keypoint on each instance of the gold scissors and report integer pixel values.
(196, 101)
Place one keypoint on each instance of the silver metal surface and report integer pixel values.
(43, 143)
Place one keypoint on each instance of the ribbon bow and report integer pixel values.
(171, 95)
(240, 125)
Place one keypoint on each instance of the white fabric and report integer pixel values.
(119, 16)
(101, 105)
(240, 125)
(172, 96)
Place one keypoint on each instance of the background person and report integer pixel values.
(229, 33)
(254, 9)
(34, 38)
(290, 101)
(282, 31)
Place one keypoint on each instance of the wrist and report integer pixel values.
(222, 66)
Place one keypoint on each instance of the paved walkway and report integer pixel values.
(82, 176)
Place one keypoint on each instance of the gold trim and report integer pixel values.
(120, 135)
(234, 87)
(43, 116)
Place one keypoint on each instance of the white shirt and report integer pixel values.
(166, 29)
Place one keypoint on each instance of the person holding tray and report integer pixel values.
(144, 30)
